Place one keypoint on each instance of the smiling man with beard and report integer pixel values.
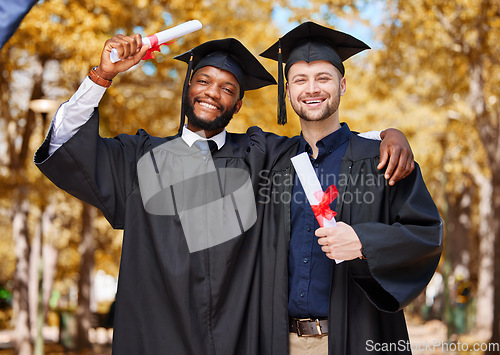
(315, 105)
(194, 279)
(388, 237)
(179, 292)
(196, 95)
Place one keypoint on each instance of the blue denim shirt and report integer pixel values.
(309, 269)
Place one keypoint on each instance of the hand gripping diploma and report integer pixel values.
(164, 37)
(338, 240)
(129, 50)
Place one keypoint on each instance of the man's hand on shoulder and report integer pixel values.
(396, 153)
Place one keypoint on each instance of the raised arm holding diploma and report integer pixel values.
(155, 41)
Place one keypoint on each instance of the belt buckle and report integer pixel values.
(318, 327)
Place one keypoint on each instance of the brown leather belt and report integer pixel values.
(308, 327)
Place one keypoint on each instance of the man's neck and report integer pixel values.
(190, 137)
(203, 133)
(314, 131)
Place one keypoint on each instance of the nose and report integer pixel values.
(213, 91)
(312, 87)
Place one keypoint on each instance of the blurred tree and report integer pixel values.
(50, 54)
(445, 54)
(87, 250)
(18, 149)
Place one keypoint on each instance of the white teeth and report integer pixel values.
(313, 102)
(207, 105)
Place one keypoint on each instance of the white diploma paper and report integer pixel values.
(165, 36)
(310, 183)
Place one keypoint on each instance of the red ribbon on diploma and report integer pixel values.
(155, 46)
(322, 210)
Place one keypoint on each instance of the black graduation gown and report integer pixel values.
(401, 233)
(219, 300)
(232, 298)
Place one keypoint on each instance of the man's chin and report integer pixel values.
(209, 125)
(205, 120)
(313, 118)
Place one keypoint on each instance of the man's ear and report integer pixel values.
(343, 86)
(238, 106)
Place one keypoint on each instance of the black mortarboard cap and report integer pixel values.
(230, 55)
(310, 42)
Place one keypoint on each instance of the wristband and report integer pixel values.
(98, 80)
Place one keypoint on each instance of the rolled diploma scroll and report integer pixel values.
(311, 184)
(164, 36)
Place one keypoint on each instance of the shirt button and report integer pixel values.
(316, 165)
(302, 294)
(306, 260)
(330, 151)
(308, 229)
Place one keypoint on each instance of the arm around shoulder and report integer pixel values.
(396, 153)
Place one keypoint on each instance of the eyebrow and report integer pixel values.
(325, 73)
(209, 77)
(232, 84)
(297, 75)
(316, 75)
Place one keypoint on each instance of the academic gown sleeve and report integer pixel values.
(96, 170)
(403, 249)
(273, 145)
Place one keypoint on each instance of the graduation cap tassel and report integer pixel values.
(185, 91)
(281, 89)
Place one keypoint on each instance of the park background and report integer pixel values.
(433, 72)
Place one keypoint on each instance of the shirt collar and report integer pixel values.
(190, 137)
(329, 143)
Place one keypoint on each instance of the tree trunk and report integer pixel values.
(49, 258)
(23, 344)
(484, 315)
(495, 336)
(49, 255)
(34, 278)
(87, 250)
(489, 130)
(459, 223)
(488, 133)
(17, 161)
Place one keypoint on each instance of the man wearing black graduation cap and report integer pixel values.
(183, 288)
(390, 237)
